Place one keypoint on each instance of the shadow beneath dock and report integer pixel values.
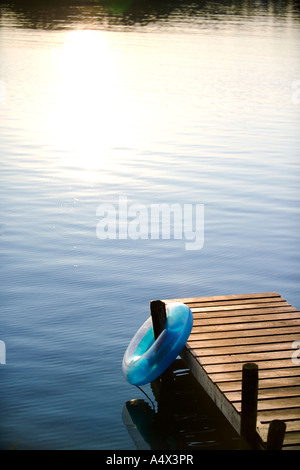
(182, 417)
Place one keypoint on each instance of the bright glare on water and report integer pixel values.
(164, 103)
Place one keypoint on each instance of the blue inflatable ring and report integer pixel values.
(146, 358)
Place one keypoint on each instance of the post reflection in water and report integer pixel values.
(183, 417)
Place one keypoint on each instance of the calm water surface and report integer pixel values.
(186, 103)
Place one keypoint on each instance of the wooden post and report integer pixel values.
(160, 386)
(276, 435)
(159, 316)
(249, 405)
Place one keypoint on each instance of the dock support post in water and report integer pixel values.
(249, 406)
(276, 435)
(161, 384)
(159, 316)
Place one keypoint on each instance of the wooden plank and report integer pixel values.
(224, 377)
(248, 301)
(251, 340)
(239, 349)
(248, 357)
(237, 303)
(246, 326)
(236, 366)
(293, 426)
(296, 447)
(275, 404)
(242, 310)
(286, 414)
(283, 392)
(292, 439)
(258, 295)
(242, 333)
(241, 320)
(264, 384)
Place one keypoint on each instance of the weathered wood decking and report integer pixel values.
(231, 330)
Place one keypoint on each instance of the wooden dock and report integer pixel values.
(262, 328)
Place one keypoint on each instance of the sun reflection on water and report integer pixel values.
(89, 118)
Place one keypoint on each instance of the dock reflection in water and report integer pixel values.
(183, 417)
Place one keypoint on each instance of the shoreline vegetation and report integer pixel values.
(49, 14)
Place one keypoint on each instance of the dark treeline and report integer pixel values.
(51, 14)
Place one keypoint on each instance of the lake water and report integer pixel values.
(186, 103)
